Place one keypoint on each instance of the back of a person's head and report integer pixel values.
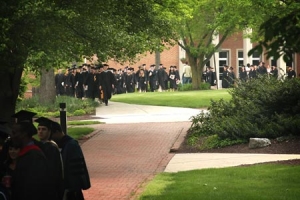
(27, 127)
(56, 127)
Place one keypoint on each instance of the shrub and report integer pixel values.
(79, 112)
(259, 108)
(74, 106)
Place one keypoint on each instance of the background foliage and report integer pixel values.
(264, 107)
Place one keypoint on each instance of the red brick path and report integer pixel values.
(121, 157)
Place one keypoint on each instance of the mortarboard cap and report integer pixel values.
(43, 121)
(24, 116)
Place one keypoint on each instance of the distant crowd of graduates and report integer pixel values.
(246, 73)
(85, 81)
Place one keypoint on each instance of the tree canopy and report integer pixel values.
(44, 33)
(279, 33)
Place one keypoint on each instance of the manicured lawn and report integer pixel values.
(78, 132)
(82, 123)
(263, 182)
(188, 99)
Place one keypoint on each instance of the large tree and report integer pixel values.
(43, 33)
(279, 34)
(199, 21)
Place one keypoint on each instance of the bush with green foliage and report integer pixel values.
(74, 106)
(79, 112)
(23, 87)
(264, 107)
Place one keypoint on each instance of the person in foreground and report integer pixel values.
(31, 177)
(76, 176)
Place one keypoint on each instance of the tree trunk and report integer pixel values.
(9, 91)
(47, 87)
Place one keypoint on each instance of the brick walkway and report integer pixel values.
(122, 157)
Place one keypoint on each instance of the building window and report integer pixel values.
(240, 58)
(256, 58)
(223, 60)
(273, 62)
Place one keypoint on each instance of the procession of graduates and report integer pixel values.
(51, 167)
(246, 73)
(99, 82)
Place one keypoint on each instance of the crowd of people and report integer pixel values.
(246, 73)
(50, 167)
(100, 81)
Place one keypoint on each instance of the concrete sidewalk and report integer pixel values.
(134, 145)
(117, 112)
(185, 162)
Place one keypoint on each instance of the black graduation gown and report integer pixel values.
(31, 178)
(172, 79)
(129, 82)
(106, 80)
(75, 170)
(161, 78)
(54, 158)
(93, 86)
(252, 74)
(119, 80)
(142, 82)
(79, 85)
(225, 79)
(59, 84)
(243, 76)
(152, 75)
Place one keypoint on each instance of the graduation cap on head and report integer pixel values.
(24, 116)
(43, 121)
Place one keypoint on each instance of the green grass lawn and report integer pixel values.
(78, 132)
(257, 182)
(188, 99)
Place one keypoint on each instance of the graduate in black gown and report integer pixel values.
(107, 82)
(152, 78)
(129, 80)
(225, 78)
(76, 176)
(52, 153)
(31, 178)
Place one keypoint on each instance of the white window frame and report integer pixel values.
(240, 58)
(256, 59)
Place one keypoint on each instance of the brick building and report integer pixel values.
(233, 52)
